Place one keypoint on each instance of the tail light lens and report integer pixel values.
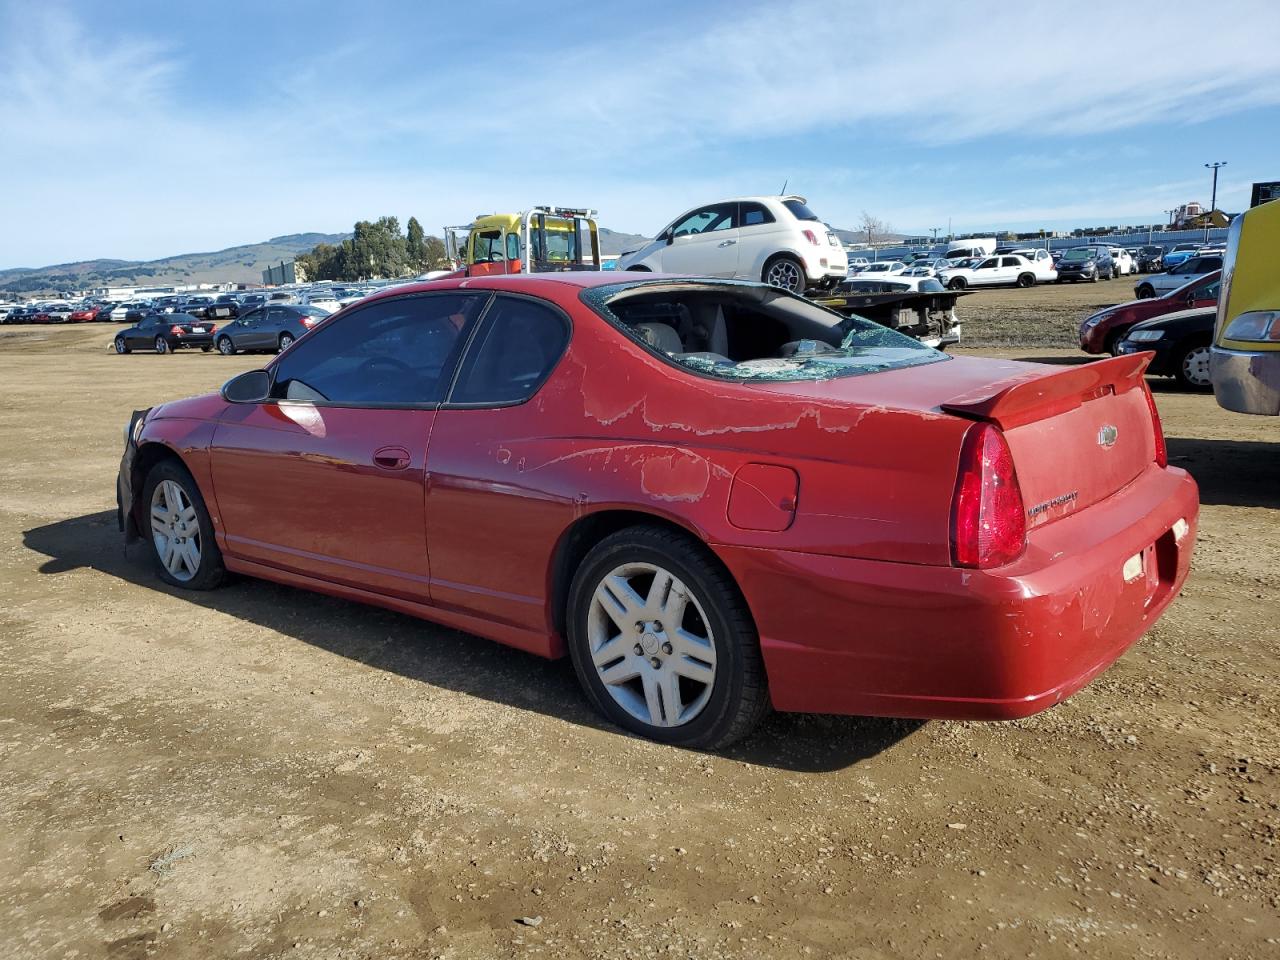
(988, 523)
(310, 322)
(811, 237)
(176, 330)
(1162, 452)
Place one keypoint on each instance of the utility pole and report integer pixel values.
(1213, 203)
(935, 233)
(1169, 222)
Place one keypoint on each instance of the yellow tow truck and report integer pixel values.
(538, 240)
(1245, 357)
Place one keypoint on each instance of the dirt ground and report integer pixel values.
(265, 772)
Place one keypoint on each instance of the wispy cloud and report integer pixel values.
(116, 157)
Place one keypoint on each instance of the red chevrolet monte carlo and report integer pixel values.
(714, 496)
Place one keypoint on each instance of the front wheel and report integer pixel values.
(226, 347)
(286, 339)
(181, 533)
(1192, 370)
(1146, 291)
(162, 345)
(662, 640)
(787, 273)
(121, 346)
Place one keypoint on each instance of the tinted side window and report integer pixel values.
(753, 214)
(518, 345)
(987, 264)
(390, 353)
(1009, 261)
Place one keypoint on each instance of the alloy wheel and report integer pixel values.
(162, 345)
(226, 347)
(175, 530)
(120, 347)
(786, 274)
(652, 645)
(285, 341)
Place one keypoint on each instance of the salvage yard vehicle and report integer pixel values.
(1102, 331)
(1246, 347)
(1175, 277)
(778, 240)
(538, 240)
(165, 333)
(920, 307)
(1180, 342)
(1009, 270)
(713, 496)
(1150, 258)
(881, 268)
(226, 306)
(270, 328)
(1180, 253)
(1085, 263)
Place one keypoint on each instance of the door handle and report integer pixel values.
(391, 458)
(727, 243)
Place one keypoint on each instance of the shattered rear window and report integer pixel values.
(748, 332)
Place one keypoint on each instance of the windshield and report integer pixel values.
(749, 331)
(1079, 255)
(1186, 246)
(799, 210)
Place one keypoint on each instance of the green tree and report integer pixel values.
(415, 246)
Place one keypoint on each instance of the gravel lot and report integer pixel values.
(266, 772)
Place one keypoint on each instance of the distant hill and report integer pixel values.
(242, 264)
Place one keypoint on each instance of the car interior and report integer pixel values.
(747, 330)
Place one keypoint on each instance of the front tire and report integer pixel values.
(226, 347)
(180, 532)
(662, 640)
(787, 273)
(121, 345)
(162, 345)
(1192, 370)
(1145, 291)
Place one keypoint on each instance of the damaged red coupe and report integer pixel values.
(716, 497)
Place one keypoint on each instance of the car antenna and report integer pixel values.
(783, 192)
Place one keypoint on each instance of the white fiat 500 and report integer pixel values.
(775, 239)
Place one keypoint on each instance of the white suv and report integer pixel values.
(775, 239)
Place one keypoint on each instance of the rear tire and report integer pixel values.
(956, 283)
(638, 268)
(206, 348)
(1026, 280)
(162, 345)
(176, 524)
(698, 680)
(786, 273)
(1192, 369)
(286, 339)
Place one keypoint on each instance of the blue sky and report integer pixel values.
(138, 130)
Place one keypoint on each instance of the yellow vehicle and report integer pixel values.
(540, 240)
(1245, 359)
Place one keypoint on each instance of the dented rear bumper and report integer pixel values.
(872, 638)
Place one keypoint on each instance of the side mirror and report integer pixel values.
(251, 387)
(669, 237)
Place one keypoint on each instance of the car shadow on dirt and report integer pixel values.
(1234, 473)
(440, 656)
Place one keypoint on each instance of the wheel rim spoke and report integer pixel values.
(651, 644)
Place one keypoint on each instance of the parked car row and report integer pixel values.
(268, 328)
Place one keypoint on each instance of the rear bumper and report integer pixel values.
(871, 638)
(191, 340)
(1246, 381)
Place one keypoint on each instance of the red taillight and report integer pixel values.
(988, 524)
(811, 236)
(1162, 452)
(176, 330)
(309, 322)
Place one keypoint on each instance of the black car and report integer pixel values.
(167, 304)
(139, 312)
(250, 300)
(20, 315)
(1086, 263)
(224, 307)
(1180, 342)
(272, 327)
(1150, 259)
(197, 307)
(166, 332)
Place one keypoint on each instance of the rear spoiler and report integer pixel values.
(1042, 396)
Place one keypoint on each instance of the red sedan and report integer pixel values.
(1102, 332)
(714, 496)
